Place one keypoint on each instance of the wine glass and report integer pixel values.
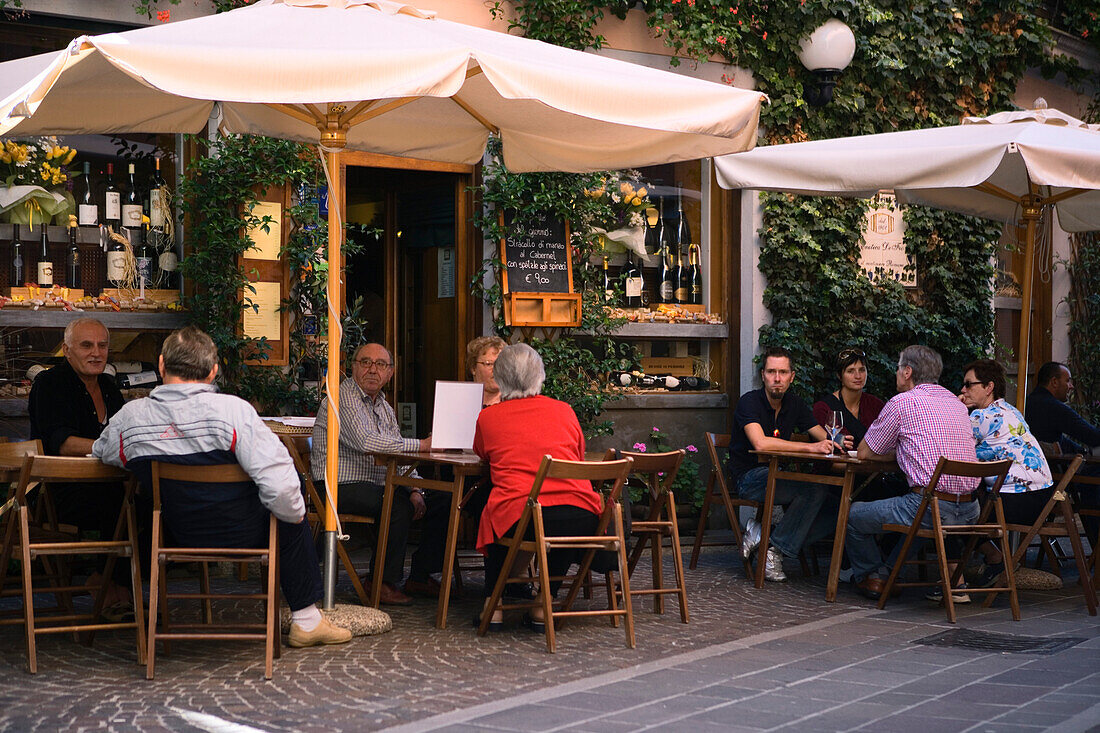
(834, 424)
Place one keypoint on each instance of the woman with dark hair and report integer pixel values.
(513, 436)
(858, 407)
(1001, 432)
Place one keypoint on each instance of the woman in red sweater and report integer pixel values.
(513, 436)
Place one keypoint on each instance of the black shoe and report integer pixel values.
(539, 627)
(989, 575)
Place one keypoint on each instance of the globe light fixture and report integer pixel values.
(826, 53)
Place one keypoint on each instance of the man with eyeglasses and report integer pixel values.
(918, 425)
(764, 419)
(367, 424)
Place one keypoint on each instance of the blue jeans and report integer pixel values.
(802, 522)
(866, 518)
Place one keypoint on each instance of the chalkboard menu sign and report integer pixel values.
(537, 255)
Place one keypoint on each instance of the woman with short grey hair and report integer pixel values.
(519, 372)
(513, 436)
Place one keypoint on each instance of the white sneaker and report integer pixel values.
(773, 566)
(750, 538)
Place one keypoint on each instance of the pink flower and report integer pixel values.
(656, 430)
(164, 15)
(692, 449)
(640, 447)
(765, 36)
(721, 39)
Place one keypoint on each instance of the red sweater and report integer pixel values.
(514, 436)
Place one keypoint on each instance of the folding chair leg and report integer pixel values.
(272, 609)
(612, 595)
(625, 578)
(705, 513)
(155, 580)
(1087, 587)
(352, 575)
(906, 544)
(678, 563)
(658, 572)
(204, 585)
(544, 580)
(28, 592)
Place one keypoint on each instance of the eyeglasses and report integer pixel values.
(968, 385)
(849, 353)
(378, 364)
(486, 363)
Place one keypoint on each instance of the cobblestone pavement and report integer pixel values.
(749, 658)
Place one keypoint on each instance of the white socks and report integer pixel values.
(307, 618)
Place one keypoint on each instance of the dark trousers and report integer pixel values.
(1024, 507)
(1088, 497)
(557, 521)
(94, 507)
(428, 557)
(364, 497)
(299, 571)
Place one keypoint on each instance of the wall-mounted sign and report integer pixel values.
(882, 254)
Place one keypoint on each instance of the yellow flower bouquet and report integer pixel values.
(34, 181)
(625, 200)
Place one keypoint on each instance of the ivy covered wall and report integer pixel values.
(918, 63)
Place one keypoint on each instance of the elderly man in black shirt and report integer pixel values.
(764, 420)
(69, 406)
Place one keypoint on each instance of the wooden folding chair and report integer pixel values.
(266, 557)
(659, 472)
(602, 473)
(1047, 527)
(717, 490)
(940, 531)
(32, 543)
(12, 456)
(298, 448)
(1057, 459)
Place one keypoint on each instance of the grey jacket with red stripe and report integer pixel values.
(190, 423)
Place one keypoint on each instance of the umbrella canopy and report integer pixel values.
(411, 84)
(1006, 167)
(379, 76)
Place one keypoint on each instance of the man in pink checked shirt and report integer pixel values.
(918, 425)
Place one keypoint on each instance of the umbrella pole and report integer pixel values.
(333, 140)
(1031, 213)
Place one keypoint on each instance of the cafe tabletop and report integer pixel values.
(844, 469)
(455, 459)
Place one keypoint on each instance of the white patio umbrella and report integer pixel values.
(379, 76)
(1007, 167)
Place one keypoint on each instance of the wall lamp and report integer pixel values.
(826, 53)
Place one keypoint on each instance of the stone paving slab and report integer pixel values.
(749, 660)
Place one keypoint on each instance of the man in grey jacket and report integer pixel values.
(186, 421)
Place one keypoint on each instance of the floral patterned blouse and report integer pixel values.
(1000, 432)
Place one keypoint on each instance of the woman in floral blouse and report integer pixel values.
(1000, 432)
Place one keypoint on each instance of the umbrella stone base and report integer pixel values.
(362, 621)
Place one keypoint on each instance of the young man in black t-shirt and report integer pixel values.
(764, 419)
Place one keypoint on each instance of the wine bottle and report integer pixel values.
(651, 219)
(86, 209)
(167, 263)
(683, 231)
(45, 262)
(117, 263)
(691, 384)
(158, 199)
(666, 284)
(18, 263)
(112, 201)
(131, 202)
(608, 290)
(696, 274)
(144, 257)
(633, 282)
(72, 255)
(683, 279)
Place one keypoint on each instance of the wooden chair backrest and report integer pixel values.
(1068, 474)
(67, 468)
(658, 469)
(222, 473)
(971, 469)
(598, 472)
(12, 454)
(298, 448)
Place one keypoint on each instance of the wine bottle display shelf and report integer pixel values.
(674, 331)
(679, 400)
(121, 321)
